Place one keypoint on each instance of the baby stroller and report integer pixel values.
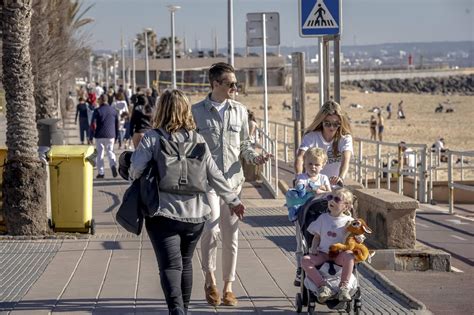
(309, 212)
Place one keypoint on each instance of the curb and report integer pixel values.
(400, 293)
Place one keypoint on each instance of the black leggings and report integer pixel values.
(174, 243)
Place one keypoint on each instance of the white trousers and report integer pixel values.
(105, 146)
(227, 225)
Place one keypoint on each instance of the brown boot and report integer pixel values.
(212, 295)
(229, 299)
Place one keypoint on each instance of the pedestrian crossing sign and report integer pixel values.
(319, 17)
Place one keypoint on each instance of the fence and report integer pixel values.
(451, 183)
(270, 169)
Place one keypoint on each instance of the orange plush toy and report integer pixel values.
(353, 241)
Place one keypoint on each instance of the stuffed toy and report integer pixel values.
(353, 241)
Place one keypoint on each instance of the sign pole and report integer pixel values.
(321, 72)
(337, 69)
(327, 72)
(265, 92)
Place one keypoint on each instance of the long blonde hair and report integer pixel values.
(174, 112)
(331, 108)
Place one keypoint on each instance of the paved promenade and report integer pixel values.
(115, 272)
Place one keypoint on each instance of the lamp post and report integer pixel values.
(91, 59)
(173, 9)
(230, 32)
(147, 65)
(134, 73)
(114, 55)
(124, 83)
(106, 57)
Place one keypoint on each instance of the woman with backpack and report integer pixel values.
(176, 226)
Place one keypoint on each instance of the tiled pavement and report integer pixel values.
(115, 272)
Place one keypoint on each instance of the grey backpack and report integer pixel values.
(181, 165)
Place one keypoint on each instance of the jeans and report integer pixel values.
(174, 243)
(83, 129)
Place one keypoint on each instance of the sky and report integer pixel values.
(363, 21)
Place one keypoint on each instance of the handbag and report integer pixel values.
(149, 190)
(129, 214)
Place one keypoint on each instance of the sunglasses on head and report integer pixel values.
(336, 199)
(231, 85)
(329, 124)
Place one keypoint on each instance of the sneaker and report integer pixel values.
(114, 171)
(324, 293)
(297, 281)
(344, 294)
(100, 176)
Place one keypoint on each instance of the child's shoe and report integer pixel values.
(324, 293)
(297, 281)
(344, 293)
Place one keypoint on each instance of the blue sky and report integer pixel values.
(364, 21)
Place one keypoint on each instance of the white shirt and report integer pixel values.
(305, 180)
(331, 230)
(221, 107)
(409, 154)
(315, 139)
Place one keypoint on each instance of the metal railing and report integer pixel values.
(285, 139)
(269, 169)
(451, 183)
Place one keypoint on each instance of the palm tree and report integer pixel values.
(152, 42)
(24, 191)
(163, 49)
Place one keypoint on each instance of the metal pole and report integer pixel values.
(450, 183)
(147, 66)
(265, 94)
(115, 70)
(90, 68)
(327, 73)
(337, 69)
(107, 72)
(173, 52)
(124, 83)
(134, 73)
(230, 32)
(321, 72)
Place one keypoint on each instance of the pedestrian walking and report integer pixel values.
(223, 123)
(373, 128)
(82, 114)
(389, 110)
(400, 112)
(380, 126)
(175, 228)
(140, 122)
(105, 119)
(121, 107)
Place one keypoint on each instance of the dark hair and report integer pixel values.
(217, 70)
(81, 99)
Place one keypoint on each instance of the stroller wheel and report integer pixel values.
(357, 306)
(311, 308)
(299, 303)
(349, 307)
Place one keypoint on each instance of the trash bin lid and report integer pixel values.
(70, 151)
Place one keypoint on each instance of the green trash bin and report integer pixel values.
(71, 180)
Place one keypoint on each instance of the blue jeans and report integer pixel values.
(174, 243)
(83, 129)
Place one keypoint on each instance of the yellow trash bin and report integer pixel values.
(71, 180)
(3, 160)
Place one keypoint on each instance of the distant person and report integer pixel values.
(140, 122)
(380, 126)
(440, 148)
(401, 113)
(408, 156)
(373, 127)
(253, 127)
(81, 113)
(69, 102)
(150, 97)
(98, 90)
(389, 110)
(120, 106)
(105, 119)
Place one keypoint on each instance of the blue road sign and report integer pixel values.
(319, 17)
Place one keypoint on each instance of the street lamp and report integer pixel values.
(114, 55)
(124, 84)
(134, 80)
(147, 65)
(173, 9)
(106, 57)
(230, 32)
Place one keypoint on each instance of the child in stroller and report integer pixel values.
(308, 185)
(326, 280)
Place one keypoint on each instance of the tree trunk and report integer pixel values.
(40, 59)
(24, 175)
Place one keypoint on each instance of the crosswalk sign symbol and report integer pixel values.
(319, 17)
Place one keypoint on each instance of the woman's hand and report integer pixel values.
(336, 180)
(238, 210)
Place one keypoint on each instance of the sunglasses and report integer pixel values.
(231, 85)
(336, 199)
(329, 124)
